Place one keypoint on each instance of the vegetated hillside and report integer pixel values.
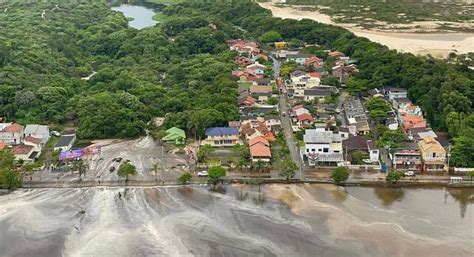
(445, 91)
(46, 47)
(394, 11)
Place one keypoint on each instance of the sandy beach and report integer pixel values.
(439, 45)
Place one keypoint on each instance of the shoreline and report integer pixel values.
(403, 41)
(153, 183)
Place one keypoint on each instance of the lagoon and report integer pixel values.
(142, 16)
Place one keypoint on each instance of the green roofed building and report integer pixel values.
(175, 134)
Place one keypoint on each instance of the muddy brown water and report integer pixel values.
(277, 220)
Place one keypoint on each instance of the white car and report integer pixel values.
(55, 133)
(409, 173)
(202, 173)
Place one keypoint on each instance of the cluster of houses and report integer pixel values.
(27, 142)
(424, 150)
(258, 105)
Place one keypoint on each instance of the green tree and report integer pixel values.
(393, 177)
(185, 178)
(462, 153)
(126, 170)
(358, 157)
(270, 37)
(391, 138)
(272, 101)
(287, 168)
(204, 152)
(339, 175)
(10, 179)
(378, 116)
(471, 175)
(243, 152)
(215, 175)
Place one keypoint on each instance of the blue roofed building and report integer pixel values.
(221, 136)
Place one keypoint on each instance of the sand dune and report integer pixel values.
(436, 44)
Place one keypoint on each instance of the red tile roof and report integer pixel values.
(305, 117)
(21, 149)
(257, 140)
(14, 128)
(33, 140)
(260, 150)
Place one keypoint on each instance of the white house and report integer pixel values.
(374, 152)
(25, 153)
(37, 131)
(322, 147)
(11, 133)
(395, 93)
(65, 142)
(258, 68)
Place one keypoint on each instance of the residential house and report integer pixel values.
(280, 45)
(297, 110)
(256, 111)
(262, 96)
(354, 144)
(406, 157)
(320, 94)
(344, 132)
(244, 47)
(304, 120)
(175, 135)
(246, 101)
(299, 58)
(374, 152)
(11, 133)
(221, 136)
(373, 93)
(260, 149)
(37, 131)
(301, 81)
(417, 134)
(336, 54)
(433, 154)
(24, 153)
(322, 147)
(392, 123)
(234, 124)
(411, 121)
(355, 116)
(37, 143)
(260, 81)
(343, 72)
(313, 61)
(259, 127)
(261, 89)
(401, 103)
(243, 61)
(258, 68)
(394, 93)
(65, 142)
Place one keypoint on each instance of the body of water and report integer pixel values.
(142, 16)
(277, 220)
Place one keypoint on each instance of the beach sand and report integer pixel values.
(438, 45)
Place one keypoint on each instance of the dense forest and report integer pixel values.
(181, 68)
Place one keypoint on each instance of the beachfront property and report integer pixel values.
(355, 116)
(406, 157)
(322, 147)
(260, 149)
(221, 136)
(175, 135)
(433, 154)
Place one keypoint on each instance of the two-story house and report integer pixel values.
(11, 133)
(221, 136)
(433, 154)
(406, 157)
(299, 58)
(37, 131)
(258, 68)
(322, 147)
(395, 92)
(260, 149)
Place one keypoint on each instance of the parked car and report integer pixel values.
(409, 173)
(55, 133)
(118, 159)
(112, 169)
(202, 173)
